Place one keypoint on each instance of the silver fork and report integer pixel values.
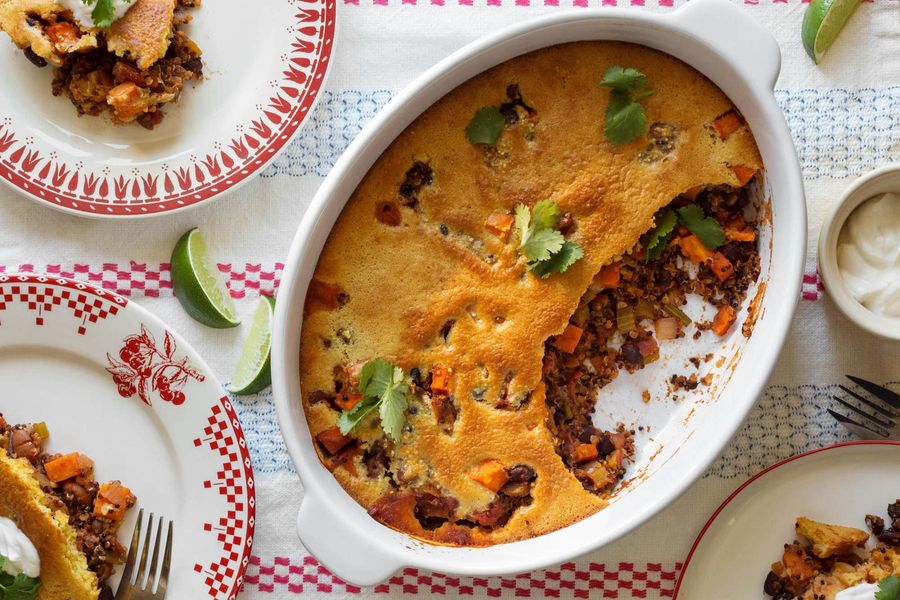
(134, 587)
(877, 419)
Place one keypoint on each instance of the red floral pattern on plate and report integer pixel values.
(159, 188)
(146, 368)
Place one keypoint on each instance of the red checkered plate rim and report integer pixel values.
(224, 131)
(113, 382)
(822, 464)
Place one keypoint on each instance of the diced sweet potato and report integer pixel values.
(347, 399)
(323, 296)
(333, 440)
(585, 452)
(491, 474)
(609, 276)
(727, 124)
(743, 174)
(440, 380)
(500, 224)
(721, 266)
(693, 249)
(739, 235)
(68, 466)
(798, 566)
(113, 499)
(568, 340)
(723, 320)
(830, 540)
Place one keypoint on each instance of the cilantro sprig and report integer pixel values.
(104, 13)
(691, 216)
(545, 248)
(486, 126)
(888, 589)
(706, 228)
(19, 587)
(383, 387)
(626, 120)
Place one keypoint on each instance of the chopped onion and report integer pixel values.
(667, 328)
(677, 313)
(649, 349)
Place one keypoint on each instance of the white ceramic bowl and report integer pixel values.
(885, 179)
(736, 53)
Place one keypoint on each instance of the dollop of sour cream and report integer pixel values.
(82, 11)
(868, 254)
(863, 591)
(20, 554)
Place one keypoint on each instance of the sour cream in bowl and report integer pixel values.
(20, 555)
(859, 252)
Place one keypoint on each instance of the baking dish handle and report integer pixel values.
(737, 36)
(346, 552)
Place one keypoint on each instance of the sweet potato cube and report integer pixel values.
(798, 566)
(347, 398)
(585, 452)
(491, 474)
(721, 266)
(693, 249)
(68, 466)
(743, 174)
(609, 276)
(500, 224)
(440, 380)
(727, 124)
(333, 440)
(568, 340)
(723, 320)
(113, 499)
(830, 540)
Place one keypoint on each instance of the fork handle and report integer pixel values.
(343, 545)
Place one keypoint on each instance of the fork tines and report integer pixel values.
(870, 419)
(147, 584)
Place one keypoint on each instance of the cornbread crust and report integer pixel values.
(405, 282)
(64, 570)
(17, 20)
(144, 33)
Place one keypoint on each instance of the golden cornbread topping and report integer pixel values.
(525, 238)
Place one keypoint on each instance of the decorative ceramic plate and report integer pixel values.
(839, 484)
(111, 381)
(264, 62)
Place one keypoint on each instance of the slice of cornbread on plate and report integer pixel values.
(45, 29)
(144, 33)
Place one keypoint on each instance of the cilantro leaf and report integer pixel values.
(383, 387)
(660, 236)
(706, 228)
(888, 589)
(350, 419)
(103, 15)
(542, 244)
(523, 223)
(623, 79)
(626, 120)
(20, 587)
(394, 404)
(486, 126)
(559, 262)
(545, 214)
(546, 249)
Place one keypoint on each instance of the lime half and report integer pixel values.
(253, 372)
(823, 21)
(199, 286)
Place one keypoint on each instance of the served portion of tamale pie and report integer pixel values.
(525, 240)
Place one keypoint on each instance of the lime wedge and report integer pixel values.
(823, 21)
(199, 286)
(253, 372)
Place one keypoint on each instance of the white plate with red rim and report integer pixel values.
(839, 484)
(113, 382)
(264, 67)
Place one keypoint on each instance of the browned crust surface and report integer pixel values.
(143, 34)
(64, 571)
(16, 19)
(404, 282)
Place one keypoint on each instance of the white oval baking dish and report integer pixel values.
(737, 54)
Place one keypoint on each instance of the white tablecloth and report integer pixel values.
(845, 119)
